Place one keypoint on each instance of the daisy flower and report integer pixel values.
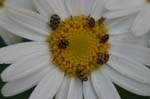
(72, 55)
(118, 8)
(8, 37)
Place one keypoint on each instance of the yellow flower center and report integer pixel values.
(2, 3)
(77, 44)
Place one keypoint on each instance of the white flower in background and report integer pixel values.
(141, 8)
(6, 35)
(73, 53)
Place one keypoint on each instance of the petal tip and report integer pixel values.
(4, 92)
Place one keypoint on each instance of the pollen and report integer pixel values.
(76, 45)
(2, 3)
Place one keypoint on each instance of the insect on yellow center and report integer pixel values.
(79, 45)
(2, 3)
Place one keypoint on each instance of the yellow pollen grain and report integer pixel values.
(2, 3)
(84, 46)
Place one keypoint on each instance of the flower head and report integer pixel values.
(74, 53)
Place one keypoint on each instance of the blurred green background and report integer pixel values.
(124, 94)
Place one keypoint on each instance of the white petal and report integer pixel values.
(130, 38)
(141, 24)
(143, 40)
(75, 89)
(104, 86)
(123, 4)
(74, 7)
(63, 91)
(120, 25)
(48, 87)
(148, 35)
(123, 38)
(14, 52)
(18, 86)
(88, 90)
(21, 3)
(120, 13)
(58, 7)
(98, 9)
(127, 83)
(25, 66)
(29, 19)
(140, 53)
(21, 29)
(86, 6)
(129, 67)
(8, 37)
(43, 8)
